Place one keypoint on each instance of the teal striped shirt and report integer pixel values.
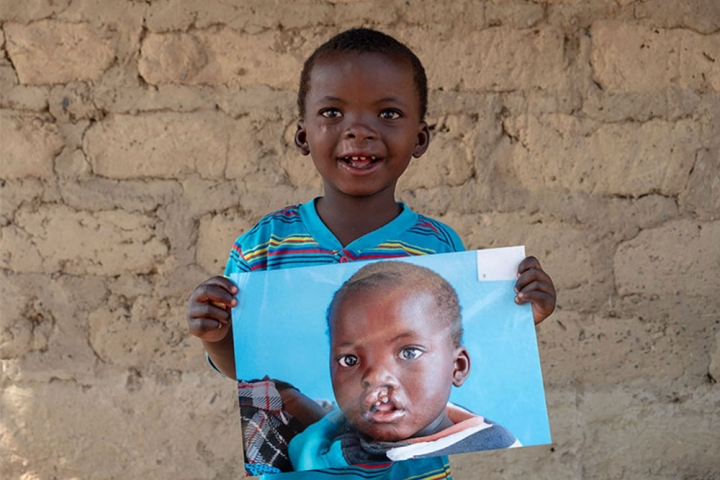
(295, 236)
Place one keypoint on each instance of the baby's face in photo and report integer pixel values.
(393, 361)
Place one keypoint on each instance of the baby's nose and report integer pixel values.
(379, 376)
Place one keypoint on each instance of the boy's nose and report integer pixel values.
(359, 131)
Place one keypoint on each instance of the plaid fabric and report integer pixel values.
(267, 428)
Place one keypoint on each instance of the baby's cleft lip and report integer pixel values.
(384, 415)
(380, 407)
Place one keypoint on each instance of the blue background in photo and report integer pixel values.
(290, 341)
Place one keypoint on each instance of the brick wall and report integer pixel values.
(140, 138)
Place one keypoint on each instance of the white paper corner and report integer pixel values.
(499, 263)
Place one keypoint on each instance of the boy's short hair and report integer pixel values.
(393, 273)
(364, 40)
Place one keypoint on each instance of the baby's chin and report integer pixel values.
(385, 433)
(396, 425)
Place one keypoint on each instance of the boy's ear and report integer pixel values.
(462, 366)
(423, 140)
(301, 139)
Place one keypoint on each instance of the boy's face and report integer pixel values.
(362, 122)
(393, 362)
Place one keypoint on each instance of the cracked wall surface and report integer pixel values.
(139, 138)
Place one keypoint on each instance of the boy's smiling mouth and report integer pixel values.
(360, 162)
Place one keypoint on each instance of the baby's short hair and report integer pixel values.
(364, 40)
(393, 273)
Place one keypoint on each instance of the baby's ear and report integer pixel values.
(301, 139)
(423, 140)
(462, 366)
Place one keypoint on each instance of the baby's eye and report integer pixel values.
(331, 113)
(410, 353)
(347, 361)
(389, 114)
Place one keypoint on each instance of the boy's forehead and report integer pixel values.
(350, 58)
(338, 67)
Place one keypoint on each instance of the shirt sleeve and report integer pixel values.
(236, 262)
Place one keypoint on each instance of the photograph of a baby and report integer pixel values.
(396, 352)
(377, 362)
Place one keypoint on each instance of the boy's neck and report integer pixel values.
(349, 218)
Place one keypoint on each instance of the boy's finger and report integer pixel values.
(532, 276)
(208, 311)
(528, 263)
(536, 297)
(214, 294)
(221, 282)
(209, 329)
(536, 285)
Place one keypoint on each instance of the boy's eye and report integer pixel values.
(389, 114)
(410, 353)
(331, 113)
(347, 360)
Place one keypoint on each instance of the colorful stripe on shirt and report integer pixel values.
(281, 240)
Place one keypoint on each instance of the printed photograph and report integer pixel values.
(384, 361)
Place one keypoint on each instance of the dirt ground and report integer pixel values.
(140, 138)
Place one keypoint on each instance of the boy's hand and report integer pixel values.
(209, 307)
(535, 286)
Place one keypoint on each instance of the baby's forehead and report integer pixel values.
(400, 292)
(402, 286)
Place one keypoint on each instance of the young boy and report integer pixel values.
(362, 102)
(395, 353)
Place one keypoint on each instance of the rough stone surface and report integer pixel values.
(139, 139)
(714, 371)
(495, 59)
(163, 145)
(638, 58)
(211, 58)
(700, 15)
(29, 147)
(49, 52)
(58, 239)
(702, 194)
(216, 235)
(618, 163)
(679, 257)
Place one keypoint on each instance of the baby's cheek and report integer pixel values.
(342, 391)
